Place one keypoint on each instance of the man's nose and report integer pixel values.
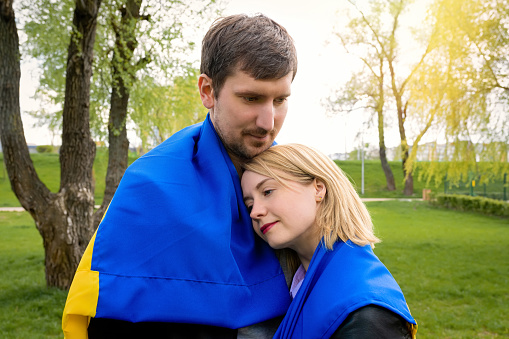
(265, 117)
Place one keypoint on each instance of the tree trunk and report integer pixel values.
(409, 181)
(27, 187)
(389, 177)
(401, 110)
(123, 76)
(78, 149)
(64, 219)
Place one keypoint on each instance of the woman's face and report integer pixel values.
(283, 216)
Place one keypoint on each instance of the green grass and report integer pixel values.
(27, 308)
(47, 166)
(374, 179)
(453, 267)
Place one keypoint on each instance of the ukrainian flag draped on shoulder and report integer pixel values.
(338, 282)
(176, 245)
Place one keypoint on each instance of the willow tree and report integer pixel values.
(470, 69)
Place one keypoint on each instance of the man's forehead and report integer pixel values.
(244, 83)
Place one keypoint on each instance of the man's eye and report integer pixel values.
(280, 100)
(250, 99)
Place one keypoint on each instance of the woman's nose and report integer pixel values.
(257, 211)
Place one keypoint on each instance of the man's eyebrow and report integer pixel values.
(247, 93)
(257, 94)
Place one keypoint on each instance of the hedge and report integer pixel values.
(475, 204)
(44, 149)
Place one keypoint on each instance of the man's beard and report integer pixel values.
(242, 151)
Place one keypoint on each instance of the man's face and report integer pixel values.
(248, 113)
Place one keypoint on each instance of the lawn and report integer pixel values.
(27, 308)
(453, 268)
(48, 169)
(47, 166)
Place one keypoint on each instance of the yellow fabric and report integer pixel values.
(413, 330)
(82, 299)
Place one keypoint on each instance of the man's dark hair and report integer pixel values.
(256, 45)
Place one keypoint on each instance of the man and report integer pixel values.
(175, 255)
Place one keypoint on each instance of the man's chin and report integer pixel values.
(247, 153)
(257, 148)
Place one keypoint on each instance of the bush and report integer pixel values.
(475, 204)
(44, 149)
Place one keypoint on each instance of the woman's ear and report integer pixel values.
(206, 91)
(320, 189)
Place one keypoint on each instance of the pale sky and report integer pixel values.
(323, 66)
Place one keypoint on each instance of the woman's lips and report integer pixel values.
(265, 228)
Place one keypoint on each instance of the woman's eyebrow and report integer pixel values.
(257, 187)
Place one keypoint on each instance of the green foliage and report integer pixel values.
(163, 39)
(434, 172)
(166, 109)
(451, 266)
(45, 149)
(475, 204)
(464, 84)
(48, 27)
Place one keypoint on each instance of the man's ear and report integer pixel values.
(206, 91)
(320, 189)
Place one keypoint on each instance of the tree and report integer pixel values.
(65, 219)
(165, 109)
(366, 89)
(164, 29)
(375, 34)
(121, 62)
(469, 64)
(123, 74)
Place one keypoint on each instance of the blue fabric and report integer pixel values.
(176, 244)
(338, 282)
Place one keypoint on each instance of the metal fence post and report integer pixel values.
(505, 186)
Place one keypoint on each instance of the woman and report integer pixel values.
(300, 200)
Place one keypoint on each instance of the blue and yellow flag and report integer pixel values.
(337, 283)
(176, 245)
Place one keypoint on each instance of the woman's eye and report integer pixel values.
(267, 192)
(249, 209)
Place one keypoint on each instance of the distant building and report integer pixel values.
(339, 156)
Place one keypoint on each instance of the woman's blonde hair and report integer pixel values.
(341, 214)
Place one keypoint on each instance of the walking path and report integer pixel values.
(21, 209)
